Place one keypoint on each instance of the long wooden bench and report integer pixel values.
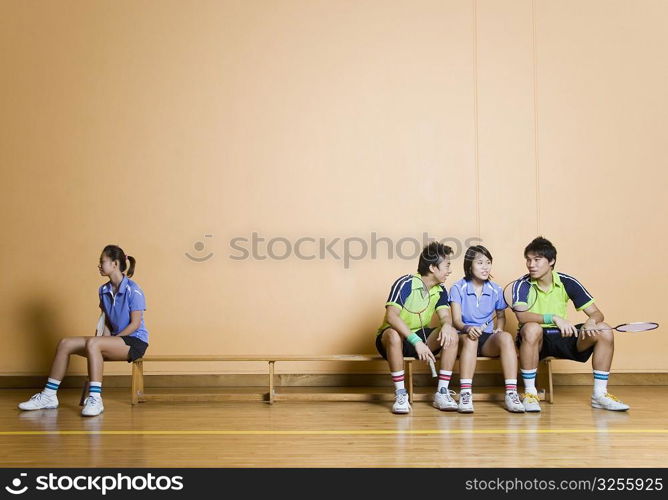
(139, 395)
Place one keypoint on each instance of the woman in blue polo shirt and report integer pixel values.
(477, 303)
(123, 303)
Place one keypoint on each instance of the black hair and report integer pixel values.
(469, 257)
(432, 255)
(114, 252)
(543, 248)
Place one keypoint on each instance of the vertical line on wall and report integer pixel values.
(475, 116)
(535, 112)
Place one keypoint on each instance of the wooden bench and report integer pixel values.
(139, 395)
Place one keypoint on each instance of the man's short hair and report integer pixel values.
(432, 255)
(543, 248)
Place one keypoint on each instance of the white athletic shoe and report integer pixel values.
(40, 401)
(608, 402)
(92, 406)
(465, 402)
(443, 400)
(530, 402)
(401, 404)
(513, 403)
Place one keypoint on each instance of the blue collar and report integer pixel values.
(486, 288)
(121, 287)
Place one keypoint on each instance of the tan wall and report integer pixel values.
(150, 124)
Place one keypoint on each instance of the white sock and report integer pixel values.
(51, 387)
(600, 382)
(511, 385)
(443, 379)
(529, 379)
(398, 379)
(465, 385)
(95, 389)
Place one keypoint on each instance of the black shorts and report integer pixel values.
(137, 347)
(561, 347)
(481, 340)
(409, 349)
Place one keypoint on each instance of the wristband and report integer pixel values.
(547, 319)
(414, 338)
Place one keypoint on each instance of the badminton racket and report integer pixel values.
(418, 303)
(635, 327)
(520, 295)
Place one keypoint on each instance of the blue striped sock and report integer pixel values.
(600, 382)
(51, 387)
(529, 379)
(95, 389)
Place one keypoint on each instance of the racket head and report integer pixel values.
(418, 301)
(638, 326)
(520, 295)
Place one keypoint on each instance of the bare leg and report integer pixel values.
(394, 347)
(604, 347)
(468, 357)
(449, 355)
(532, 341)
(502, 344)
(66, 346)
(105, 348)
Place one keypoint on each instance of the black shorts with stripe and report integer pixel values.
(137, 347)
(408, 348)
(554, 345)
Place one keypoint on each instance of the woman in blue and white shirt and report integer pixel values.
(478, 312)
(123, 303)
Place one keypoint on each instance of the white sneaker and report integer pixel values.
(92, 406)
(443, 400)
(40, 401)
(608, 402)
(530, 402)
(401, 404)
(465, 402)
(513, 403)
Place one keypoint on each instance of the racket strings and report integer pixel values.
(512, 295)
(637, 327)
(422, 308)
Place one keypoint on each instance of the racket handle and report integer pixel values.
(433, 369)
(555, 331)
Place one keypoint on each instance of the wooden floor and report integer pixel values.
(335, 434)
